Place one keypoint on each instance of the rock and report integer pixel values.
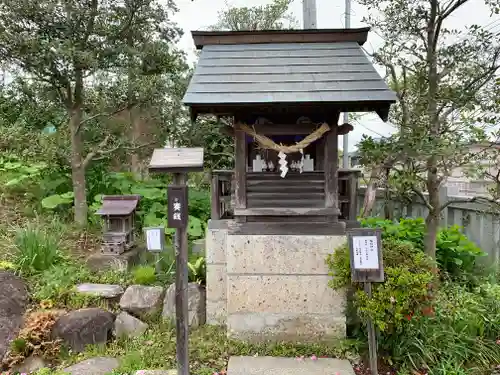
(198, 247)
(120, 262)
(29, 365)
(93, 366)
(84, 327)
(129, 326)
(156, 372)
(196, 304)
(13, 302)
(101, 290)
(142, 301)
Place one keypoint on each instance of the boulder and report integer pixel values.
(142, 301)
(127, 325)
(156, 372)
(101, 290)
(13, 303)
(84, 327)
(93, 366)
(196, 304)
(29, 365)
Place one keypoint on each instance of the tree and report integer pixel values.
(65, 44)
(442, 78)
(273, 16)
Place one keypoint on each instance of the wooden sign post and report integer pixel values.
(179, 161)
(367, 266)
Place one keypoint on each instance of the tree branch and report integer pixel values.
(102, 114)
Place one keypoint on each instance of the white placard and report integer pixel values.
(153, 239)
(365, 252)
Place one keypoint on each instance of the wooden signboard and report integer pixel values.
(177, 160)
(367, 266)
(177, 197)
(365, 247)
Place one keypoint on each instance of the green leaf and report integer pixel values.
(195, 228)
(53, 201)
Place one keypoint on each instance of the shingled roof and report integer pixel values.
(285, 67)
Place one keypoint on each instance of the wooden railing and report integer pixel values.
(221, 194)
(302, 190)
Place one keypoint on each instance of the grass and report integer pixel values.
(209, 350)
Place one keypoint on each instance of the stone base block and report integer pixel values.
(124, 261)
(268, 326)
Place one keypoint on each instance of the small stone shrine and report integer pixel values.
(289, 204)
(118, 212)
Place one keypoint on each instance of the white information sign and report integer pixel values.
(154, 239)
(365, 253)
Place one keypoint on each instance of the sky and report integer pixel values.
(199, 14)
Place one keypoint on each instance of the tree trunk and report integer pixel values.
(77, 167)
(388, 204)
(371, 192)
(136, 131)
(432, 224)
(432, 182)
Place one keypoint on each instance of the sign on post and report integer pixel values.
(179, 161)
(177, 197)
(155, 239)
(365, 247)
(367, 266)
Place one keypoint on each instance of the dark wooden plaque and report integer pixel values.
(365, 248)
(177, 197)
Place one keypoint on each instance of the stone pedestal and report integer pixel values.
(124, 261)
(272, 286)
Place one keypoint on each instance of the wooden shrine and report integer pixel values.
(118, 212)
(283, 91)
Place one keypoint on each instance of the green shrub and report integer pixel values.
(461, 332)
(456, 255)
(405, 292)
(446, 328)
(144, 275)
(36, 248)
(57, 283)
(197, 271)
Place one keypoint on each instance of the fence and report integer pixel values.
(480, 222)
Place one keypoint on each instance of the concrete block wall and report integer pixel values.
(272, 286)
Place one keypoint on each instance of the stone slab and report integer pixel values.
(263, 254)
(290, 327)
(156, 372)
(287, 366)
(121, 262)
(216, 282)
(101, 290)
(215, 246)
(93, 366)
(302, 294)
(216, 312)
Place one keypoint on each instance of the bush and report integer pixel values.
(405, 293)
(456, 255)
(55, 286)
(462, 331)
(446, 328)
(144, 275)
(36, 248)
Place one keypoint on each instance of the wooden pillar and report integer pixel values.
(215, 197)
(353, 195)
(331, 161)
(240, 170)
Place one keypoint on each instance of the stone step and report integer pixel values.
(288, 366)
